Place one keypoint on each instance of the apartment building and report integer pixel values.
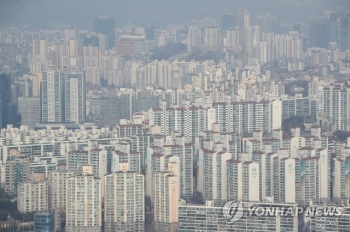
(17, 170)
(57, 188)
(124, 202)
(32, 196)
(242, 180)
(84, 202)
(165, 201)
(211, 179)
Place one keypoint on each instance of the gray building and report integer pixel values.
(105, 26)
(29, 108)
(344, 33)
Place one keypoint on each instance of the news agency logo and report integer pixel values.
(234, 211)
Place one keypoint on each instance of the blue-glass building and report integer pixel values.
(44, 222)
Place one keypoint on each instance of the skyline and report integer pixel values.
(37, 14)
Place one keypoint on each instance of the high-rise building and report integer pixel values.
(75, 96)
(124, 202)
(211, 179)
(175, 153)
(268, 23)
(105, 26)
(341, 176)
(39, 49)
(57, 188)
(32, 196)
(63, 96)
(320, 34)
(179, 119)
(344, 33)
(52, 97)
(17, 171)
(242, 179)
(194, 38)
(227, 21)
(29, 108)
(243, 19)
(335, 106)
(84, 202)
(5, 93)
(212, 37)
(95, 157)
(165, 201)
(125, 46)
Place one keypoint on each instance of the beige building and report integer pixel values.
(57, 188)
(84, 202)
(17, 170)
(165, 201)
(124, 202)
(32, 196)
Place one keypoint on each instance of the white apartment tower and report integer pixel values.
(165, 201)
(52, 97)
(242, 180)
(124, 202)
(336, 106)
(341, 179)
(75, 96)
(63, 96)
(84, 202)
(310, 181)
(211, 178)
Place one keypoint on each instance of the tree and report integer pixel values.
(291, 122)
(167, 51)
(341, 135)
(197, 198)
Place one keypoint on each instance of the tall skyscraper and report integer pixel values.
(5, 93)
(63, 96)
(75, 96)
(320, 34)
(105, 26)
(29, 108)
(52, 97)
(227, 21)
(344, 33)
(124, 202)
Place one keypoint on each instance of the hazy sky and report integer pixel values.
(80, 13)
